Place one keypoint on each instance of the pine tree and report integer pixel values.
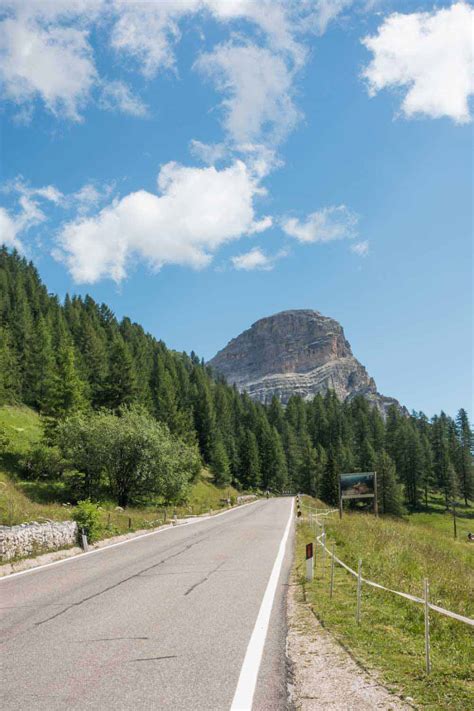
(310, 472)
(389, 495)
(465, 461)
(220, 464)
(249, 461)
(330, 482)
(121, 384)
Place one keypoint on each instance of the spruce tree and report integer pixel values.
(465, 461)
(389, 494)
(330, 482)
(220, 463)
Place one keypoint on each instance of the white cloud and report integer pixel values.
(258, 84)
(323, 12)
(9, 230)
(198, 210)
(325, 225)
(12, 226)
(430, 54)
(117, 96)
(209, 153)
(255, 259)
(361, 248)
(53, 63)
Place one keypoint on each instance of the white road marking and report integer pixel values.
(80, 556)
(243, 697)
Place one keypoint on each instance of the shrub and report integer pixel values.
(43, 462)
(4, 440)
(87, 516)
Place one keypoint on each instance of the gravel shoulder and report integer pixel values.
(324, 675)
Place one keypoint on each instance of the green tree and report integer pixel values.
(220, 466)
(389, 494)
(330, 482)
(465, 462)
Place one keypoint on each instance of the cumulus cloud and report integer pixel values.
(256, 259)
(258, 85)
(325, 225)
(117, 96)
(430, 55)
(52, 63)
(14, 224)
(361, 248)
(323, 12)
(197, 210)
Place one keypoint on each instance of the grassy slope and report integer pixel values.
(400, 554)
(22, 501)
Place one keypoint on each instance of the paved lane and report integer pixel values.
(162, 622)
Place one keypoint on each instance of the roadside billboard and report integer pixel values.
(358, 486)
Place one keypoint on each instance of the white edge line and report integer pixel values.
(80, 556)
(243, 697)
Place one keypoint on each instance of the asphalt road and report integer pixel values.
(162, 622)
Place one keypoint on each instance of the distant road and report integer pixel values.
(162, 622)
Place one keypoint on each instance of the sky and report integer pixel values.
(200, 164)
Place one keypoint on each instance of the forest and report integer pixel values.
(126, 417)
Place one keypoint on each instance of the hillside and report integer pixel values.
(74, 361)
(25, 499)
(299, 352)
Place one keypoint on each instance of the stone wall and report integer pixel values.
(30, 539)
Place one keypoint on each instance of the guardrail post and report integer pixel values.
(359, 590)
(427, 626)
(331, 586)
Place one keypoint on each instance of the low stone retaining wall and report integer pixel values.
(33, 538)
(246, 497)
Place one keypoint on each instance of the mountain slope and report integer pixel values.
(298, 352)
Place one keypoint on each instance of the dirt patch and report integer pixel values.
(323, 674)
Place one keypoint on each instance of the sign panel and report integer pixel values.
(358, 486)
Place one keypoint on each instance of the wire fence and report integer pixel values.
(314, 514)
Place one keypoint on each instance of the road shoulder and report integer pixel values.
(324, 675)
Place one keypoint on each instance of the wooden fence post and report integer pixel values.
(331, 587)
(359, 590)
(427, 626)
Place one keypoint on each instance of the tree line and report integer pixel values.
(75, 360)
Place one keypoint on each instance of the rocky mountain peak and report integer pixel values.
(296, 352)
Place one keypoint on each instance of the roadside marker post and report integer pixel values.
(359, 590)
(427, 626)
(331, 587)
(309, 562)
(84, 542)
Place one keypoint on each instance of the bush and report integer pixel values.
(4, 440)
(42, 462)
(87, 516)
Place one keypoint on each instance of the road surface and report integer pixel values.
(161, 622)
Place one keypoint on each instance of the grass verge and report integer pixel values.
(390, 638)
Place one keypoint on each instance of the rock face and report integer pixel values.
(297, 352)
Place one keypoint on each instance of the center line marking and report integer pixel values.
(243, 697)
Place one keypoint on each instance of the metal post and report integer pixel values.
(331, 588)
(427, 627)
(454, 520)
(359, 590)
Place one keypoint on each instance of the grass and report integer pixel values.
(390, 639)
(22, 501)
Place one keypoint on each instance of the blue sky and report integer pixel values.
(199, 164)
